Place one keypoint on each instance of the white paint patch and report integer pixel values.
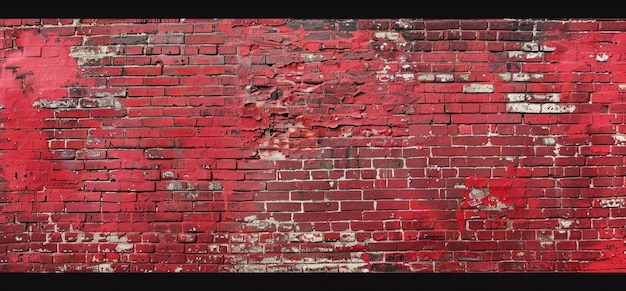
(520, 97)
(192, 196)
(115, 238)
(537, 76)
(478, 88)
(306, 237)
(505, 77)
(550, 97)
(347, 236)
(285, 249)
(619, 137)
(106, 100)
(526, 55)
(55, 104)
(388, 35)
(445, 78)
(531, 56)
(621, 86)
(539, 108)
(271, 155)
(260, 224)
(120, 93)
(215, 248)
(476, 200)
(523, 107)
(270, 260)
(516, 97)
(384, 76)
(426, 77)
(548, 141)
(611, 202)
(61, 269)
(478, 194)
(104, 268)
(123, 247)
(556, 108)
(530, 46)
(250, 218)
(353, 268)
(521, 77)
(602, 58)
(85, 54)
(499, 205)
(257, 249)
(546, 244)
(564, 223)
(405, 76)
(403, 24)
(319, 268)
(309, 57)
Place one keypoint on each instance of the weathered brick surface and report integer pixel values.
(294, 145)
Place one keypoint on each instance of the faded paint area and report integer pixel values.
(544, 108)
(86, 55)
(484, 195)
(26, 81)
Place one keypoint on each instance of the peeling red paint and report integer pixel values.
(494, 194)
(26, 81)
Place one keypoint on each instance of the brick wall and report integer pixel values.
(312, 145)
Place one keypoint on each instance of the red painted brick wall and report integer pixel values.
(296, 145)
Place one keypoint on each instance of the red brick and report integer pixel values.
(142, 71)
(82, 206)
(204, 39)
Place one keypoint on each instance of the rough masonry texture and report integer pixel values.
(312, 145)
